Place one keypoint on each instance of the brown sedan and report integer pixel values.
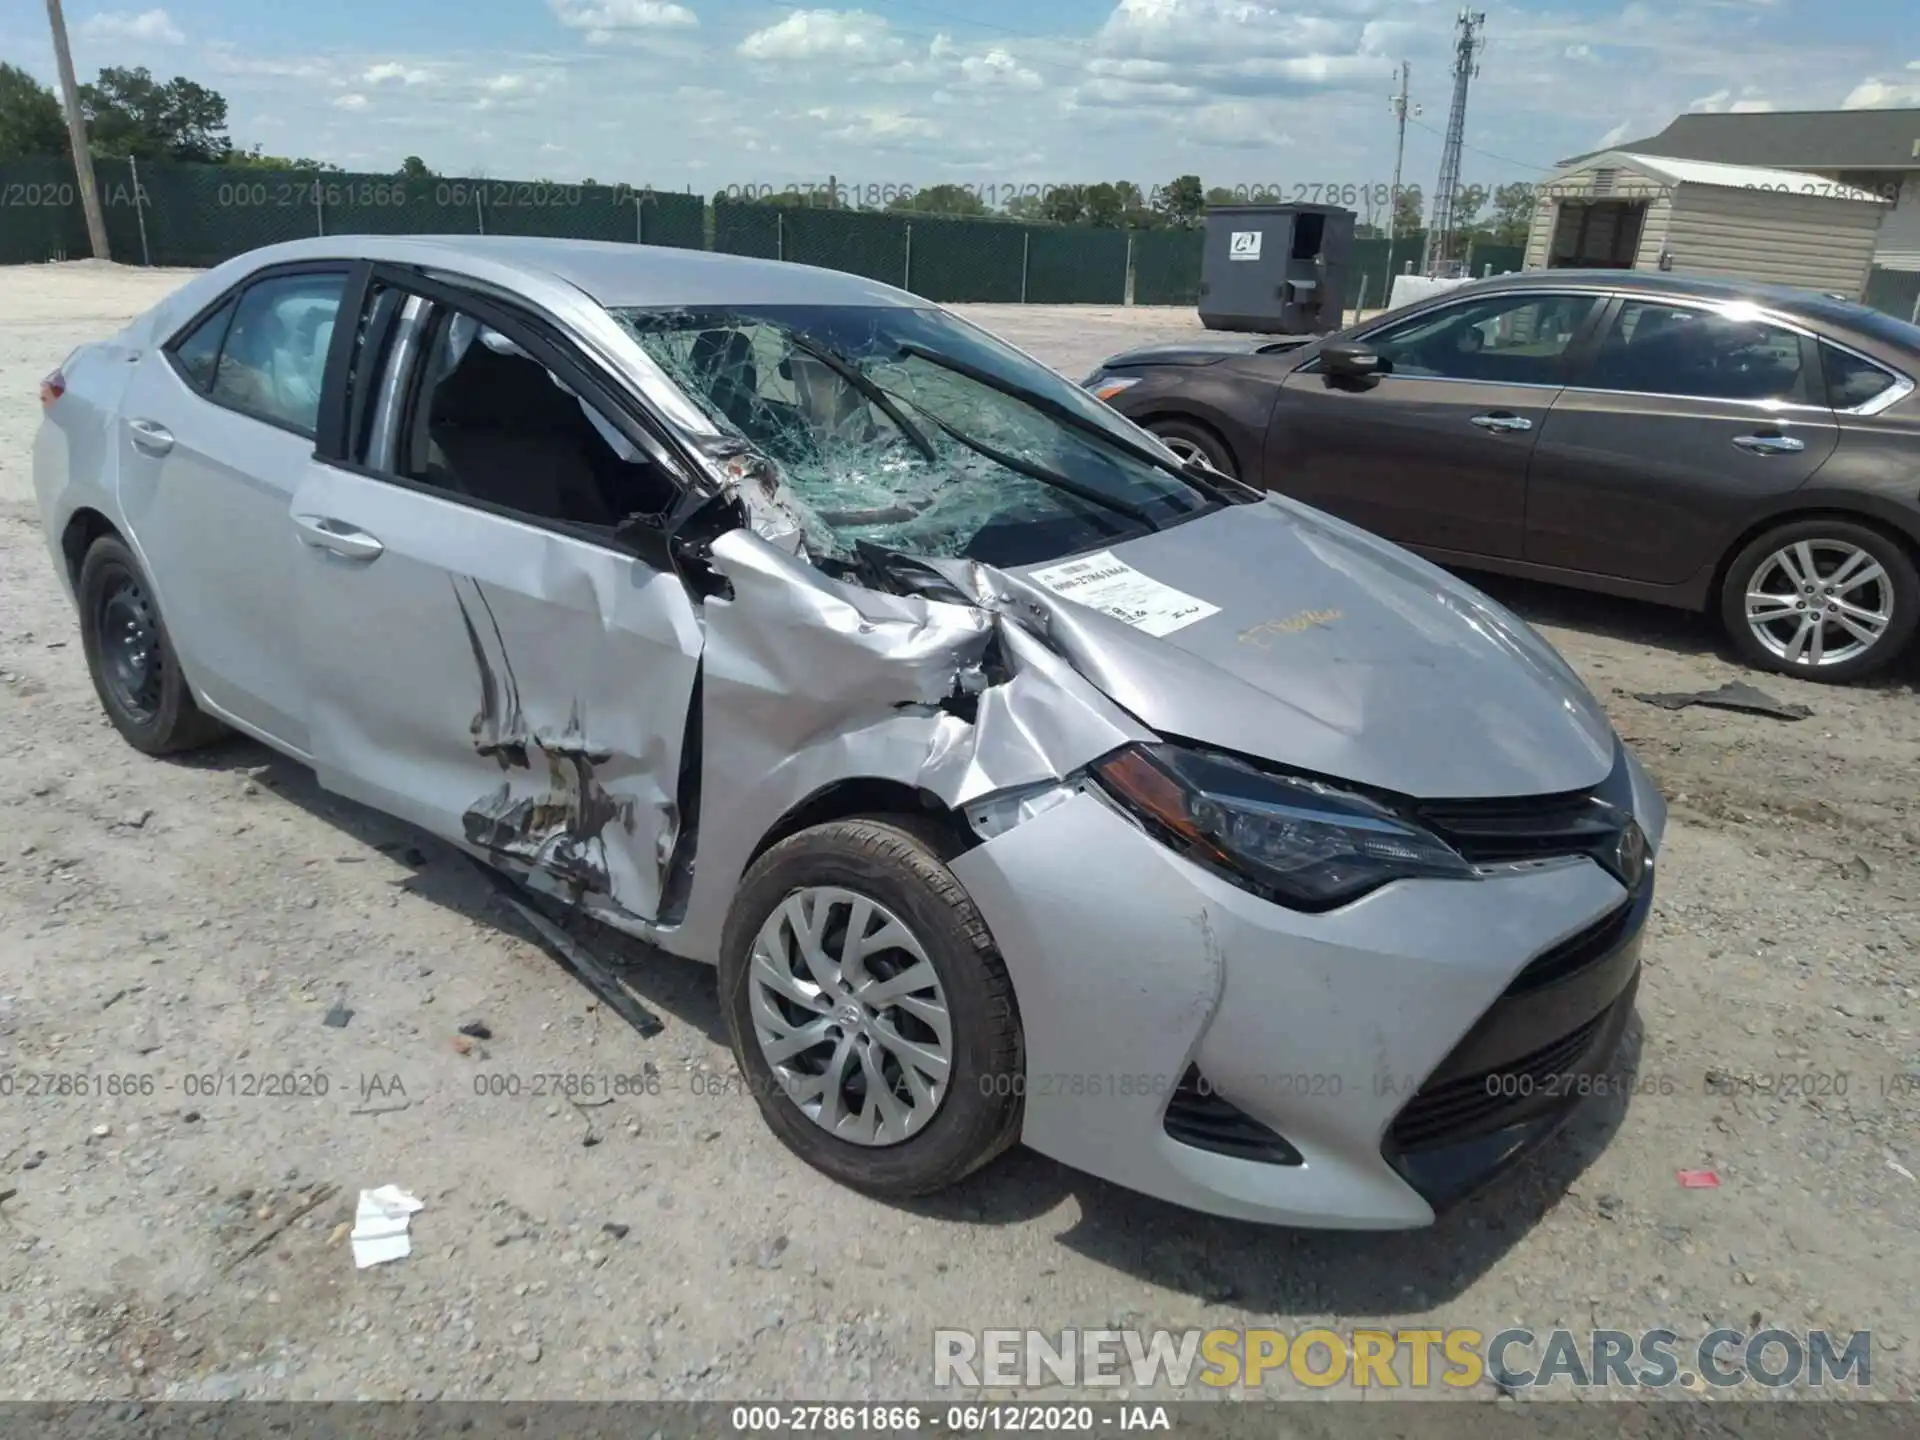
(1692, 442)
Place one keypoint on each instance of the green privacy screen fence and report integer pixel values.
(199, 215)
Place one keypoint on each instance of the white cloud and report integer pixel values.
(840, 35)
(393, 70)
(1878, 94)
(1143, 89)
(998, 69)
(155, 27)
(602, 20)
(1234, 125)
(1748, 101)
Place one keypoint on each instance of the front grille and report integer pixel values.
(1474, 1104)
(1498, 832)
(1198, 1115)
(1572, 955)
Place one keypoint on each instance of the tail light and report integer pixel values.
(52, 388)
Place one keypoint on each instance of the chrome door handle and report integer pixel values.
(325, 533)
(151, 436)
(1502, 423)
(1770, 444)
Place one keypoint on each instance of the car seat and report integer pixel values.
(505, 433)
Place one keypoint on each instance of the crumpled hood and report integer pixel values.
(1335, 652)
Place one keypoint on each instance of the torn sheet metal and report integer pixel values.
(809, 682)
(1735, 695)
(520, 691)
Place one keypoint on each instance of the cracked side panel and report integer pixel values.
(808, 681)
(518, 692)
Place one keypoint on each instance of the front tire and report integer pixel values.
(1189, 440)
(130, 657)
(869, 1009)
(1824, 600)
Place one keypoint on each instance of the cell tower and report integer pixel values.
(1466, 65)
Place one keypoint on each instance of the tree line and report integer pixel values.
(130, 113)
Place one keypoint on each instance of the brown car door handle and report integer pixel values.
(1770, 444)
(1502, 422)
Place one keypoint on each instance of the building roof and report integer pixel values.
(1706, 172)
(1790, 139)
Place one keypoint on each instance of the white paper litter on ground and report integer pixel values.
(380, 1226)
(1105, 583)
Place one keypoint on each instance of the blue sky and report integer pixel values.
(992, 93)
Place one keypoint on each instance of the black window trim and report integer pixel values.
(1575, 346)
(353, 277)
(548, 345)
(1810, 366)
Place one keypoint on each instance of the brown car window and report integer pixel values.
(1657, 348)
(1503, 339)
(1851, 380)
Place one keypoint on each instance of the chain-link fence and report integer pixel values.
(198, 215)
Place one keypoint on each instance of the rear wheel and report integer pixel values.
(868, 1008)
(130, 658)
(1825, 600)
(1191, 441)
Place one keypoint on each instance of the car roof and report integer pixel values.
(1809, 307)
(1647, 282)
(614, 273)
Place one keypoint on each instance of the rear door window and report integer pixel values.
(1657, 348)
(274, 356)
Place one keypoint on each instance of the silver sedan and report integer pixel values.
(1024, 780)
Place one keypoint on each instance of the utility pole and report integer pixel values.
(1401, 110)
(77, 134)
(1466, 65)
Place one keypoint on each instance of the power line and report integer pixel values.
(1504, 159)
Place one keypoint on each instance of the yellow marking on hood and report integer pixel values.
(1266, 631)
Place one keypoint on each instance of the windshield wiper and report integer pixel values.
(851, 374)
(1046, 405)
(1052, 478)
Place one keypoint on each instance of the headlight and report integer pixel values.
(1296, 842)
(1105, 387)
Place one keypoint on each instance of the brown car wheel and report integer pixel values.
(1825, 600)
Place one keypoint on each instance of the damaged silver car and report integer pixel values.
(1023, 781)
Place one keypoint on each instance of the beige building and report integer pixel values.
(1877, 150)
(1619, 209)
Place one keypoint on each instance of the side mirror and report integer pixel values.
(1349, 360)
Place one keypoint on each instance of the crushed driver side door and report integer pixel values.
(485, 659)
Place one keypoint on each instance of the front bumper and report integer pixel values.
(1393, 1046)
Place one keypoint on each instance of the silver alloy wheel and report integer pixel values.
(1819, 602)
(850, 1015)
(1185, 449)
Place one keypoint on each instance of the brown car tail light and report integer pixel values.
(52, 388)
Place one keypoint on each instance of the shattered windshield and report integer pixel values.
(912, 430)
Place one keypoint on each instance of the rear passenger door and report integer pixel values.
(1686, 420)
(216, 428)
(487, 658)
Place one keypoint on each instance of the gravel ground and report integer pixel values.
(193, 922)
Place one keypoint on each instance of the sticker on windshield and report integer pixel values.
(1113, 587)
